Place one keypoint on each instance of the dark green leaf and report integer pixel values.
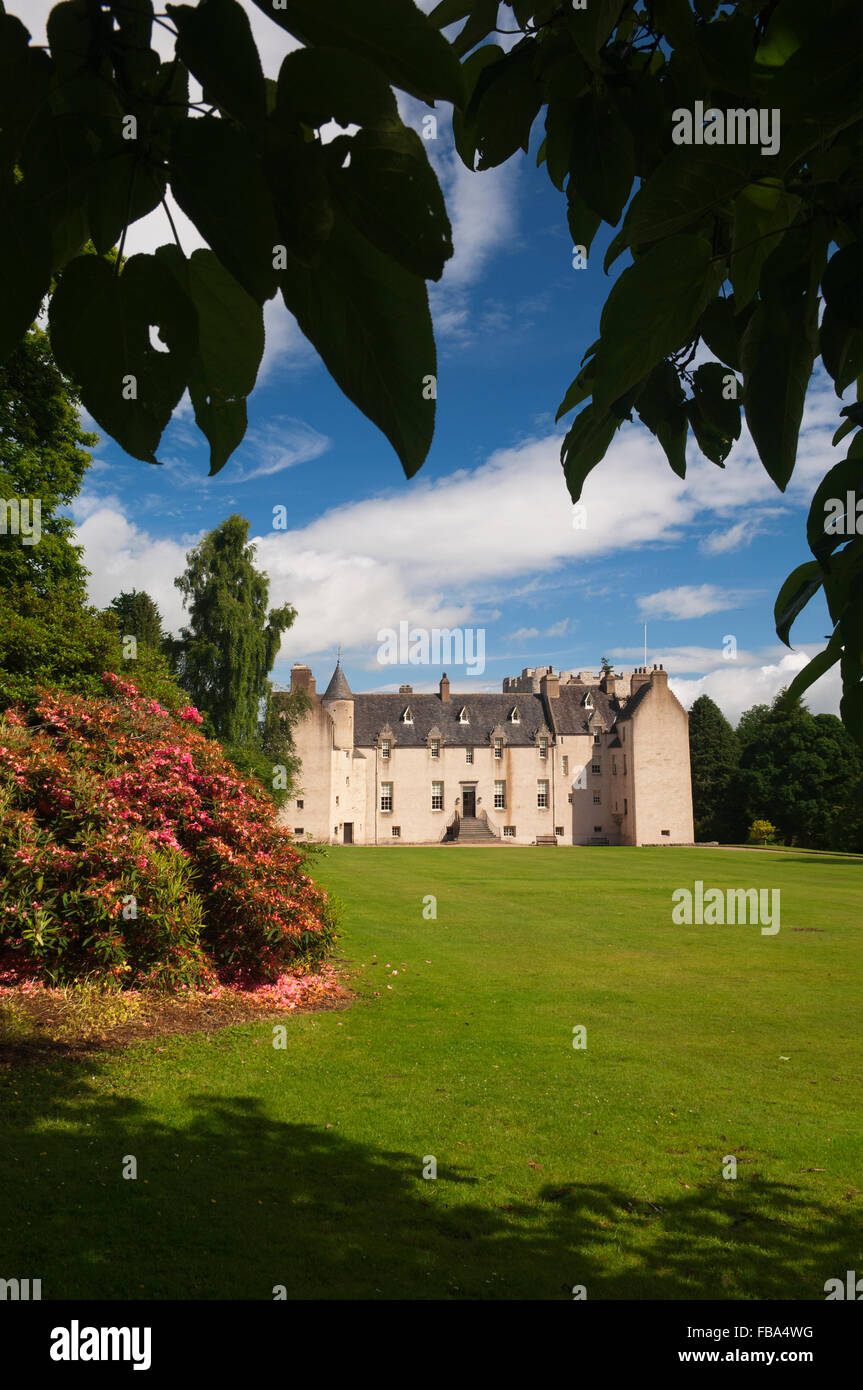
(817, 667)
(842, 284)
(390, 191)
(690, 181)
(777, 355)
(369, 320)
(651, 312)
(843, 478)
(719, 408)
(100, 335)
(762, 214)
(800, 586)
(660, 407)
(721, 328)
(392, 34)
(321, 84)
(217, 181)
(841, 348)
(601, 157)
(215, 42)
(506, 99)
(26, 252)
(483, 19)
(586, 445)
(230, 345)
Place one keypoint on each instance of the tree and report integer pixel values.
(741, 124)
(714, 751)
(97, 129)
(43, 460)
(803, 773)
(139, 617)
(227, 651)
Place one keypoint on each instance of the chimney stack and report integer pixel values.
(302, 678)
(550, 686)
(444, 688)
(640, 677)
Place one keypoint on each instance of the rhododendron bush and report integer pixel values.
(133, 852)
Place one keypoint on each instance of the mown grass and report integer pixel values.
(557, 1167)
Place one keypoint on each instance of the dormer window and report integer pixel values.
(407, 717)
(514, 716)
(463, 716)
(543, 746)
(588, 702)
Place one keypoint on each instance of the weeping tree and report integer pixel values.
(224, 656)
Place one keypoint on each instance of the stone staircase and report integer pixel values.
(473, 830)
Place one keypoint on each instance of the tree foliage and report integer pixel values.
(43, 460)
(227, 652)
(753, 251)
(802, 772)
(714, 751)
(97, 128)
(138, 616)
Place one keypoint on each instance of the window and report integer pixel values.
(386, 745)
(397, 832)
(515, 717)
(626, 806)
(437, 796)
(569, 798)
(298, 830)
(588, 704)
(624, 764)
(543, 747)
(463, 716)
(407, 717)
(509, 832)
(542, 795)
(596, 799)
(299, 805)
(597, 830)
(500, 796)
(596, 768)
(337, 801)
(614, 767)
(558, 830)
(666, 832)
(498, 748)
(347, 781)
(468, 755)
(597, 736)
(565, 766)
(386, 796)
(435, 747)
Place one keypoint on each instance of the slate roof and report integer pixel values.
(338, 688)
(373, 712)
(571, 715)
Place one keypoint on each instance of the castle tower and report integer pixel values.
(338, 701)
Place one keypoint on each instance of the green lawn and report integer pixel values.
(557, 1167)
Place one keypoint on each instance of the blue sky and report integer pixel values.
(483, 536)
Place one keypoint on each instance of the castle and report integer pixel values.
(566, 758)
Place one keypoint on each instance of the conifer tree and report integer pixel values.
(714, 752)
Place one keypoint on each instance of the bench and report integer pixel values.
(545, 840)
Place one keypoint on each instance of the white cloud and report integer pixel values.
(523, 633)
(735, 689)
(557, 629)
(691, 601)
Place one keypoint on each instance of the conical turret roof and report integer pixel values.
(338, 688)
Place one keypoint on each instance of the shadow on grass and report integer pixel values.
(232, 1204)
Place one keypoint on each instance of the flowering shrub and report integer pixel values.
(132, 851)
